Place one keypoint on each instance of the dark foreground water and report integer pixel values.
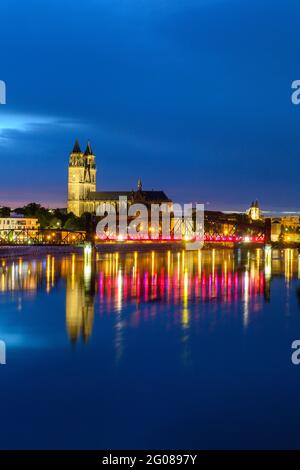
(157, 350)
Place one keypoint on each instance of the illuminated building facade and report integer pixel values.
(254, 211)
(18, 223)
(82, 194)
(285, 229)
(81, 180)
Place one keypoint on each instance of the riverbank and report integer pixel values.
(42, 250)
(37, 250)
(16, 251)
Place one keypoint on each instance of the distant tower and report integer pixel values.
(81, 179)
(139, 185)
(254, 211)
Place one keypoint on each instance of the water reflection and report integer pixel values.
(148, 281)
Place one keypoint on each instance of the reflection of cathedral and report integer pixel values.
(82, 194)
(79, 306)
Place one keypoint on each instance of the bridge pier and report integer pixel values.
(267, 231)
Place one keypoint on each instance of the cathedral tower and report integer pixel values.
(81, 179)
(254, 211)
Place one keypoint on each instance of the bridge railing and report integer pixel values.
(41, 237)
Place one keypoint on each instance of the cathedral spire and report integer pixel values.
(140, 185)
(88, 149)
(76, 148)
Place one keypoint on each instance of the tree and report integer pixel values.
(5, 212)
(73, 222)
(30, 210)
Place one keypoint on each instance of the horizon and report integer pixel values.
(265, 212)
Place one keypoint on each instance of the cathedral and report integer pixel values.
(82, 187)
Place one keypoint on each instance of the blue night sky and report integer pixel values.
(191, 95)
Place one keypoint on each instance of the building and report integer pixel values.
(254, 211)
(285, 229)
(82, 190)
(18, 223)
(81, 180)
(19, 228)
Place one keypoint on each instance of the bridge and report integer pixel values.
(258, 238)
(73, 237)
(41, 237)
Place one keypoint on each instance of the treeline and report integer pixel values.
(48, 218)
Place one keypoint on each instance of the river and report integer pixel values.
(152, 350)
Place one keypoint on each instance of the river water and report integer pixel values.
(153, 350)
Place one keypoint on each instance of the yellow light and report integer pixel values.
(152, 262)
(87, 250)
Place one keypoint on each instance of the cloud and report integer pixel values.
(14, 124)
